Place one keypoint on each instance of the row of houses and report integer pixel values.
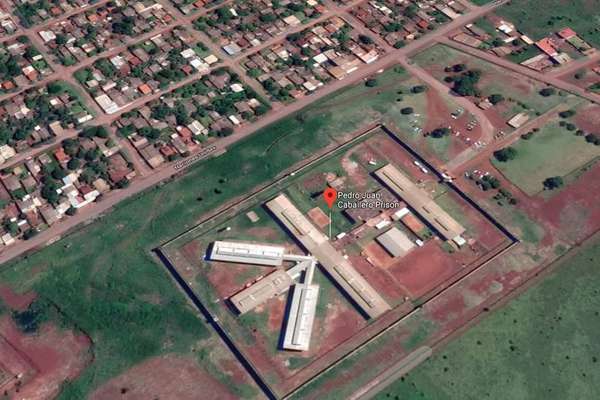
(47, 188)
(400, 21)
(34, 12)
(87, 34)
(307, 60)
(506, 39)
(179, 122)
(188, 7)
(22, 64)
(145, 68)
(243, 24)
(36, 116)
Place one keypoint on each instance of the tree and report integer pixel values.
(566, 113)
(364, 39)
(553, 182)
(407, 111)
(371, 82)
(60, 39)
(505, 154)
(547, 92)
(73, 164)
(496, 98)
(440, 132)
(419, 89)
(71, 211)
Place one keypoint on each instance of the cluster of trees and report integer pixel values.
(593, 138)
(504, 194)
(465, 84)
(505, 154)
(488, 182)
(126, 26)
(27, 11)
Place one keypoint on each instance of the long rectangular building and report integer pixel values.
(418, 200)
(247, 253)
(272, 285)
(318, 245)
(301, 317)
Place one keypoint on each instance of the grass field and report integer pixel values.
(104, 279)
(553, 151)
(542, 345)
(538, 22)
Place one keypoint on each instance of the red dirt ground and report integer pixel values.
(380, 279)
(339, 324)
(377, 254)
(224, 277)
(588, 118)
(276, 310)
(14, 300)
(318, 217)
(164, 378)
(14, 368)
(358, 176)
(56, 355)
(424, 268)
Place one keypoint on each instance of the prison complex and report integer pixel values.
(317, 244)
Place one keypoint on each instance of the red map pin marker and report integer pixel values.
(330, 194)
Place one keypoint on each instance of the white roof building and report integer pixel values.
(247, 253)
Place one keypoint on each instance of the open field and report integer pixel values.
(521, 93)
(537, 22)
(553, 151)
(541, 345)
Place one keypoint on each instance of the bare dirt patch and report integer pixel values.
(165, 378)
(55, 355)
(319, 217)
(588, 118)
(424, 268)
(15, 300)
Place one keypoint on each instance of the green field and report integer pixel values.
(522, 93)
(553, 151)
(105, 281)
(538, 22)
(541, 346)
